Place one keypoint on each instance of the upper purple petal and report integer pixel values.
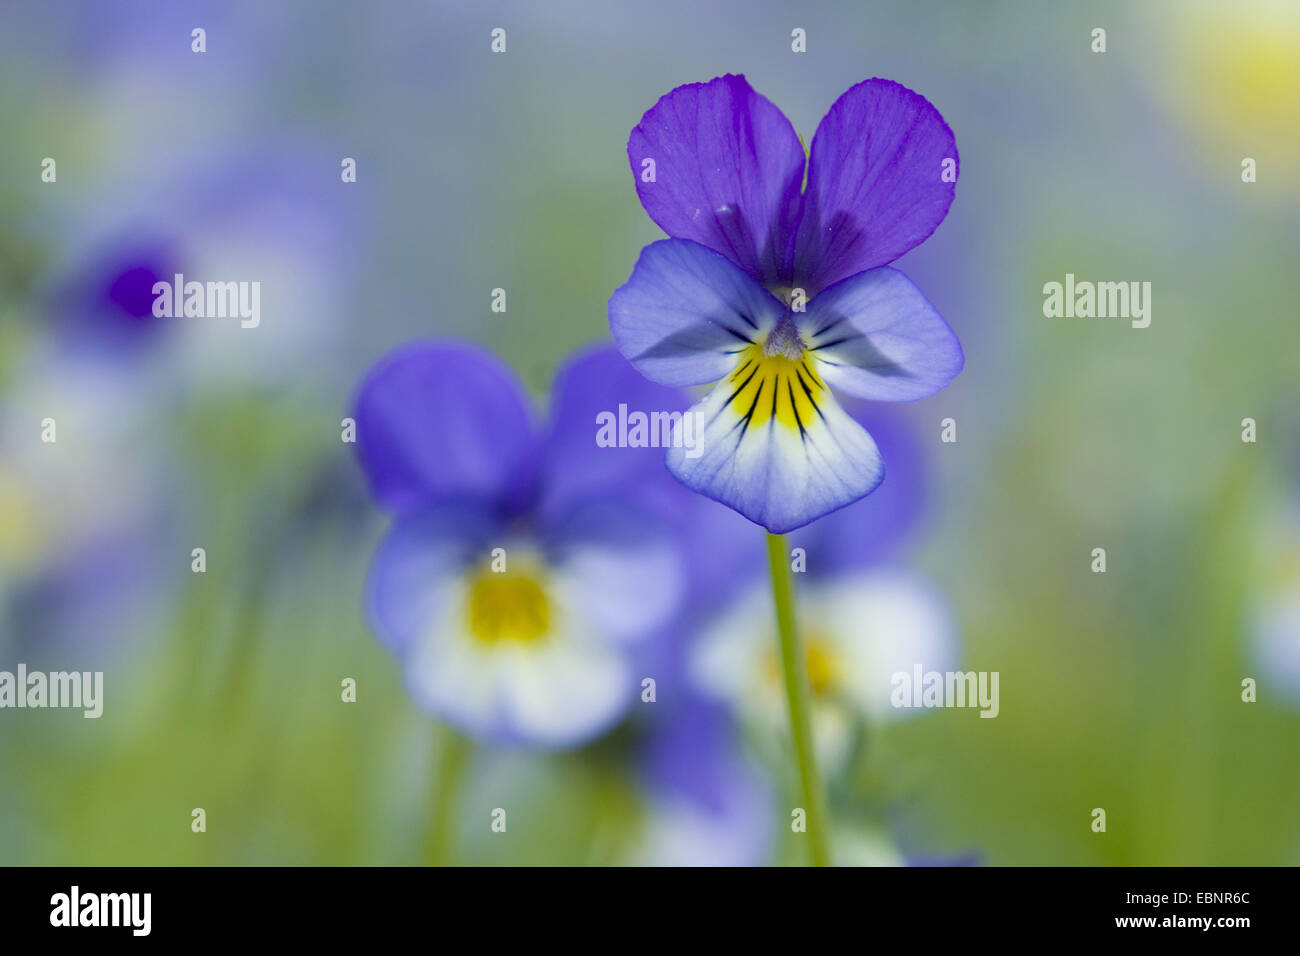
(445, 421)
(623, 564)
(875, 183)
(107, 304)
(728, 167)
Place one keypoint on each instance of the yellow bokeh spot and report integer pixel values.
(764, 387)
(507, 607)
(1236, 79)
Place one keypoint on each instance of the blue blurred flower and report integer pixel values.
(107, 303)
(859, 630)
(56, 494)
(91, 539)
(777, 292)
(525, 564)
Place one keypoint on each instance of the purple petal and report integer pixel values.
(875, 183)
(728, 168)
(686, 311)
(875, 336)
(441, 421)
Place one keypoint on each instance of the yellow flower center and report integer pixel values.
(507, 606)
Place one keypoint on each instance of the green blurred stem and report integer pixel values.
(794, 664)
(454, 755)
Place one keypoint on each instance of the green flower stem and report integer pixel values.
(453, 760)
(795, 667)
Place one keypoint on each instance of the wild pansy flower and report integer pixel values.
(778, 292)
(521, 569)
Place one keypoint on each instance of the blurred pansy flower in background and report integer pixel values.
(96, 358)
(1237, 82)
(228, 217)
(777, 293)
(513, 589)
(91, 539)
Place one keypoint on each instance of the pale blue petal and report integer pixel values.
(875, 336)
(685, 313)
